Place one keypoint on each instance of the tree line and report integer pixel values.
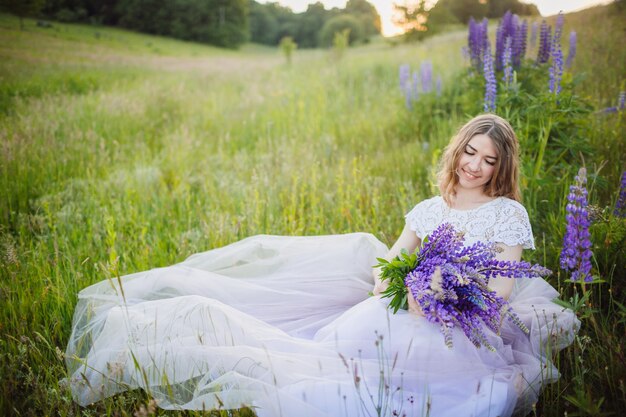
(230, 23)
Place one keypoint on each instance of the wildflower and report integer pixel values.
(414, 85)
(490, 81)
(509, 28)
(519, 44)
(506, 63)
(576, 253)
(404, 72)
(426, 70)
(620, 206)
(572, 49)
(621, 100)
(450, 283)
(545, 42)
(556, 69)
(477, 41)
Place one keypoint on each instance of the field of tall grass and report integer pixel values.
(122, 152)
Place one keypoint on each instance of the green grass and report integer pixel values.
(117, 144)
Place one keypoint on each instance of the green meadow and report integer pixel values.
(122, 152)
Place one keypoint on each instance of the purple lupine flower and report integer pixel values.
(558, 27)
(621, 101)
(533, 35)
(404, 73)
(545, 42)
(450, 283)
(620, 206)
(506, 29)
(506, 63)
(576, 253)
(426, 72)
(572, 49)
(439, 86)
(490, 81)
(415, 85)
(556, 69)
(519, 44)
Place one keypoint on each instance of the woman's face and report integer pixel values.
(477, 162)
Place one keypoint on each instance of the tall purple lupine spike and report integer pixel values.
(556, 69)
(490, 81)
(558, 27)
(572, 49)
(576, 253)
(426, 70)
(472, 43)
(415, 85)
(519, 44)
(545, 43)
(621, 100)
(620, 206)
(506, 29)
(506, 63)
(556, 53)
(403, 75)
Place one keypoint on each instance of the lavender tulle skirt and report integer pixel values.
(285, 326)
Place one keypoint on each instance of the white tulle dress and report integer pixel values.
(284, 325)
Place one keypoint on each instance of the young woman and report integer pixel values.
(284, 324)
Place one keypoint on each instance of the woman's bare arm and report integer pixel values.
(502, 285)
(408, 240)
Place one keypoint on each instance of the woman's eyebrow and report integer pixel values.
(474, 150)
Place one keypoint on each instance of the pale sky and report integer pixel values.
(385, 8)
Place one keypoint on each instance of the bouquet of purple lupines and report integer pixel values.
(450, 281)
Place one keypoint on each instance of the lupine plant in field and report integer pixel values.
(576, 253)
(620, 206)
(556, 53)
(410, 82)
(477, 41)
(426, 71)
(545, 42)
(572, 49)
(621, 101)
(506, 63)
(490, 81)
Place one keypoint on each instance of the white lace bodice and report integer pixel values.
(501, 220)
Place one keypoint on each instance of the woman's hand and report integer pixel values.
(414, 307)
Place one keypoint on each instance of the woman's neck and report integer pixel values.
(466, 199)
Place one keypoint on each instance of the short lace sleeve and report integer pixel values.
(425, 216)
(513, 226)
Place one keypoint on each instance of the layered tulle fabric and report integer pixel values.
(285, 325)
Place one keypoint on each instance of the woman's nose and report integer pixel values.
(474, 164)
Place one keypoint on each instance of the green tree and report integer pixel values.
(413, 18)
(263, 24)
(339, 24)
(287, 45)
(367, 14)
(310, 24)
(22, 8)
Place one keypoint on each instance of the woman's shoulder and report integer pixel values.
(508, 205)
(512, 224)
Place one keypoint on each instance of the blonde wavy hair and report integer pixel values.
(504, 181)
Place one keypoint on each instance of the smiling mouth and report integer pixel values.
(468, 175)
